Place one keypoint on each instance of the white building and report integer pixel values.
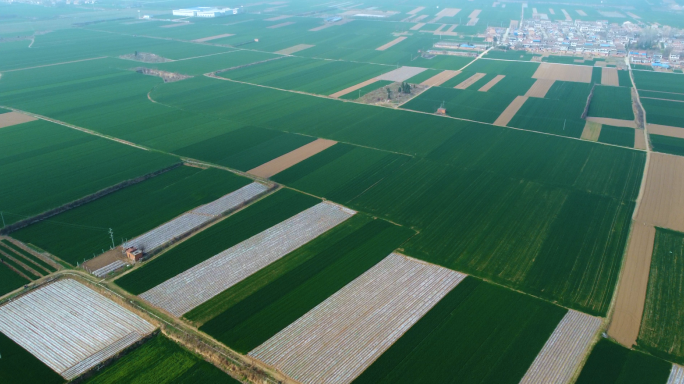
(206, 12)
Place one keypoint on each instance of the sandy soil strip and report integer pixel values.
(281, 25)
(655, 129)
(9, 119)
(564, 350)
(438, 30)
(197, 285)
(470, 81)
(633, 15)
(419, 18)
(639, 139)
(591, 131)
(551, 11)
(609, 76)
(413, 12)
(563, 72)
(613, 122)
(581, 12)
(567, 15)
(491, 83)
(474, 14)
(401, 74)
(289, 159)
(676, 375)
(510, 111)
(601, 64)
(281, 17)
(451, 29)
(540, 88)
(472, 22)
(294, 49)
(212, 38)
(440, 78)
(354, 87)
(391, 43)
(417, 26)
(338, 339)
(70, 327)
(631, 292)
(663, 200)
(174, 25)
(448, 12)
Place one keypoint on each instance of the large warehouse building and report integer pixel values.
(205, 12)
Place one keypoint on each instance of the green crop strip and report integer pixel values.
(19, 366)
(612, 102)
(28, 255)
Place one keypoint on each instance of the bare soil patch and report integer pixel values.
(470, 81)
(353, 88)
(417, 26)
(591, 131)
(9, 119)
(563, 72)
(328, 25)
(440, 78)
(609, 76)
(145, 57)
(664, 130)
(639, 139)
(281, 25)
(281, 17)
(663, 200)
(202, 40)
(540, 88)
(174, 25)
(631, 291)
(510, 111)
(474, 14)
(630, 14)
(105, 259)
(601, 64)
(551, 11)
(289, 159)
(396, 99)
(401, 74)
(491, 83)
(613, 122)
(294, 49)
(448, 12)
(414, 11)
(168, 77)
(391, 43)
(581, 12)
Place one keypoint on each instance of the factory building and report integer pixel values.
(206, 12)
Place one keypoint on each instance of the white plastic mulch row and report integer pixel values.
(676, 375)
(102, 272)
(195, 218)
(200, 283)
(338, 339)
(564, 350)
(70, 327)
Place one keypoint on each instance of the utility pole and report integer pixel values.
(111, 235)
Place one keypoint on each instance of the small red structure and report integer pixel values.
(441, 111)
(134, 253)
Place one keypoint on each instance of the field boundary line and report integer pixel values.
(50, 65)
(413, 111)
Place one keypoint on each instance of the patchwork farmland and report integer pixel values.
(311, 192)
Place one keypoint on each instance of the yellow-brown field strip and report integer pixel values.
(289, 159)
(212, 38)
(551, 11)
(174, 25)
(609, 76)
(510, 111)
(13, 118)
(417, 26)
(285, 24)
(470, 81)
(630, 14)
(391, 43)
(448, 12)
(294, 49)
(540, 88)
(663, 200)
(474, 14)
(657, 129)
(354, 88)
(281, 17)
(591, 131)
(564, 72)
(491, 83)
(639, 139)
(416, 10)
(581, 12)
(613, 122)
(631, 290)
(440, 78)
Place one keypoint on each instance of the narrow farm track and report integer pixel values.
(51, 65)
